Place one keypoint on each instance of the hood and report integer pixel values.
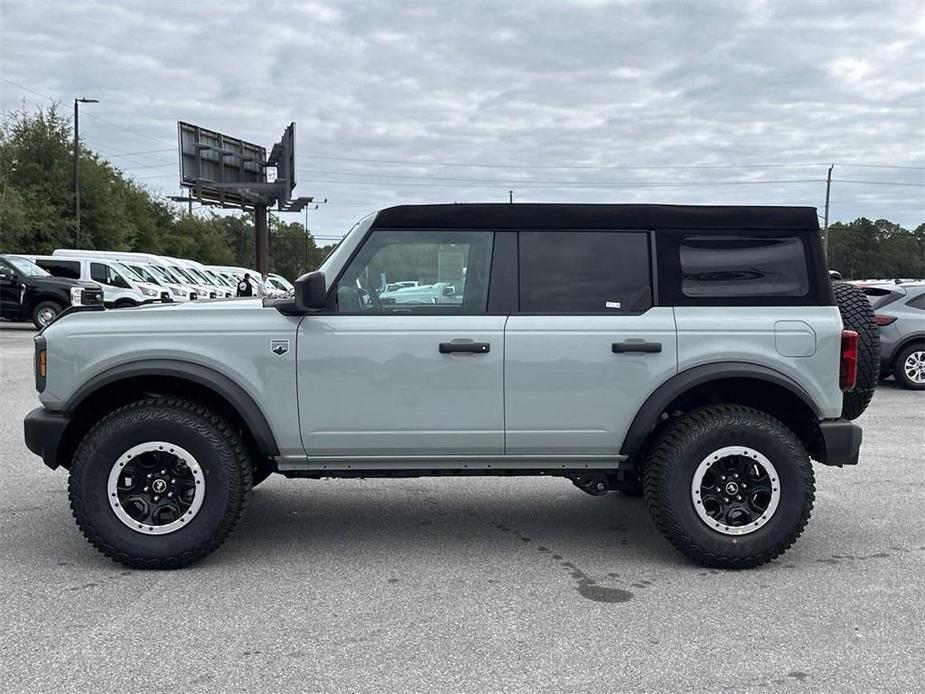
(60, 282)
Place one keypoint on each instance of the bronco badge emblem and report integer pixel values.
(279, 347)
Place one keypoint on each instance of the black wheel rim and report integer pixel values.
(735, 490)
(156, 488)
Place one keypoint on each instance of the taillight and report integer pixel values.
(848, 371)
(884, 320)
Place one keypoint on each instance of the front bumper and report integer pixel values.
(43, 433)
(842, 441)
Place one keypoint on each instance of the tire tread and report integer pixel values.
(684, 433)
(190, 413)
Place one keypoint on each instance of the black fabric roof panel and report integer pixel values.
(582, 216)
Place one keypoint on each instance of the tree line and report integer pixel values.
(118, 213)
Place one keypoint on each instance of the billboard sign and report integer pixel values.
(218, 167)
(282, 156)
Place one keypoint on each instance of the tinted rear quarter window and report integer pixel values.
(584, 272)
(743, 266)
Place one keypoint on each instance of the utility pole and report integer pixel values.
(262, 240)
(510, 195)
(77, 167)
(825, 220)
(307, 235)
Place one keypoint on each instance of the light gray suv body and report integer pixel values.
(697, 353)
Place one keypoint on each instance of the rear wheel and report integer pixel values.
(729, 486)
(857, 315)
(159, 483)
(45, 312)
(909, 367)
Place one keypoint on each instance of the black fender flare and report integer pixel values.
(204, 376)
(647, 417)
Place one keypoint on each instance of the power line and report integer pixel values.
(884, 166)
(31, 91)
(879, 183)
(590, 167)
(91, 115)
(557, 166)
(568, 184)
(127, 129)
(148, 151)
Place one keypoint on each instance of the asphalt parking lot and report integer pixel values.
(478, 585)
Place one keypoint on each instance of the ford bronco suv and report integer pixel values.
(694, 355)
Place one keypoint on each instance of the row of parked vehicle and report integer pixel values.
(124, 279)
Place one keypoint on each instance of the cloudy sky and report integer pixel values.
(658, 101)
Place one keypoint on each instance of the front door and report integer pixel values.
(10, 292)
(406, 363)
(587, 347)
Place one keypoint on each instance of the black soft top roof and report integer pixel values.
(583, 216)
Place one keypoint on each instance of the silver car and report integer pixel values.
(900, 313)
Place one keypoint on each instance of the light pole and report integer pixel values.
(77, 167)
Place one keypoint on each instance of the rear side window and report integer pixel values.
(61, 268)
(584, 272)
(743, 266)
(879, 297)
(918, 302)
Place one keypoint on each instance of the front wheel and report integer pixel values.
(159, 483)
(45, 313)
(909, 367)
(729, 486)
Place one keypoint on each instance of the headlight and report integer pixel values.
(147, 291)
(75, 296)
(178, 291)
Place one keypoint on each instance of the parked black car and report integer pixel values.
(27, 292)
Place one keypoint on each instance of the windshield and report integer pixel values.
(218, 278)
(128, 272)
(198, 275)
(27, 267)
(360, 229)
(179, 273)
(147, 275)
(163, 274)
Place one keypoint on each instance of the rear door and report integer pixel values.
(587, 346)
(385, 373)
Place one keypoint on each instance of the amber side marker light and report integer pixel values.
(41, 363)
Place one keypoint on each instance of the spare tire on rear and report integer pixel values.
(857, 315)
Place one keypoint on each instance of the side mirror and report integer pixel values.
(6, 273)
(311, 292)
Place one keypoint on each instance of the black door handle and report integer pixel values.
(630, 346)
(471, 347)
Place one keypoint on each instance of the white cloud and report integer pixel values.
(537, 84)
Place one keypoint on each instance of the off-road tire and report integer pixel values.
(857, 315)
(42, 306)
(899, 372)
(676, 454)
(210, 440)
